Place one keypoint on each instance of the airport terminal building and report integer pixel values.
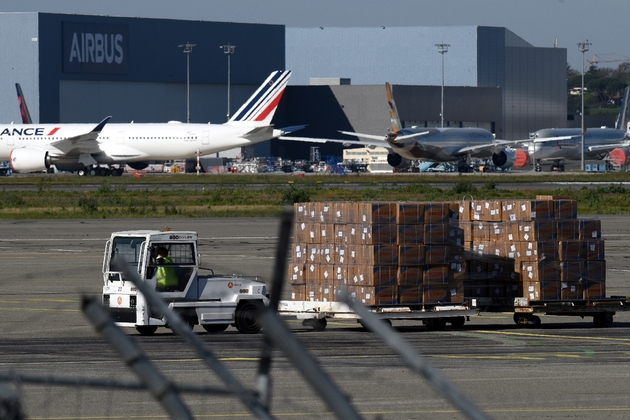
(79, 68)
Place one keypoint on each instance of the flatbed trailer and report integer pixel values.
(602, 310)
(435, 317)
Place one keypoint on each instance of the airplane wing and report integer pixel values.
(606, 147)
(82, 142)
(378, 142)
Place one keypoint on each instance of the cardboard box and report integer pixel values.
(542, 290)
(298, 252)
(594, 290)
(312, 274)
(570, 250)
(458, 270)
(565, 208)
(537, 230)
(298, 292)
(343, 212)
(443, 233)
(464, 211)
(363, 275)
(509, 210)
(295, 274)
(433, 293)
(593, 249)
(475, 289)
(487, 210)
(411, 255)
(535, 210)
(590, 229)
(456, 291)
(568, 229)
(410, 276)
(540, 271)
(436, 274)
(326, 233)
(410, 234)
(375, 234)
(380, 255)
(409, 213)
(324, 212)
(377, 212)
(373, 296)
(534, 251)
(595, 271)
(341, 278)
(436, 213)
(436, 254)
(410, 294)
(571, 271)
(347, 254)
(571, 290)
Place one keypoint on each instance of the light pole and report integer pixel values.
(229, 50)
(583, 47)
(187, 50)
(442, 49)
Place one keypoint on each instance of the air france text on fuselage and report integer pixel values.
(29, 131)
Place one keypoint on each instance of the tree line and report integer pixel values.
(603, 91)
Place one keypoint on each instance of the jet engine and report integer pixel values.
(398, 161)
(138, 166)
(505, 158)
(29, 160)
(619, 156)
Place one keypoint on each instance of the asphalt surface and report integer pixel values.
(565, 368)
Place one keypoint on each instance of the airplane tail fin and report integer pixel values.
(393, 112)
(26, 116)
(261, 106)
(622, 118)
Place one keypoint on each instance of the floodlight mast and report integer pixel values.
(188, 47)
(442, 49)
(583, 47)
(229, 50)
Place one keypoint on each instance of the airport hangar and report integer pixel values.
(80, 68)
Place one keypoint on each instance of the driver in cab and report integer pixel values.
(166, 278)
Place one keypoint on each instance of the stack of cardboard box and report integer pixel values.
(410, 253)
(383, 253)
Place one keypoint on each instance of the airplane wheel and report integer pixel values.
(114, 172)
(82, 172)
(92, 172)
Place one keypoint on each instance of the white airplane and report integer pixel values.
(86, 148)
(435, 144)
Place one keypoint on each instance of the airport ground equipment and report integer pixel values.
(213, 301)
(435, 317)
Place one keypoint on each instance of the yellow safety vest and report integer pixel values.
(166, 275)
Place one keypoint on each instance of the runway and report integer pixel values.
(565, 368)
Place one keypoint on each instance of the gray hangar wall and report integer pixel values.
(532, 79)
(92, 66)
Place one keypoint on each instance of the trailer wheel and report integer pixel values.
(435, 324)
(457, 321)
(316, 324)
(526, 319)
(603, 320)
(146, 329)
(245, 318)
(215, 328)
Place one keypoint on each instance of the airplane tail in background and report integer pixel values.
(26, 116)
(393, 112)
(261, 106)
(622, 118)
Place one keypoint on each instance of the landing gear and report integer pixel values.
(557, 167)
(100, 171)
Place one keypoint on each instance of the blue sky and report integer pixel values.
(539, 22)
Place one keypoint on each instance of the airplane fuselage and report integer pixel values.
(443, 144)
(119, 143)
